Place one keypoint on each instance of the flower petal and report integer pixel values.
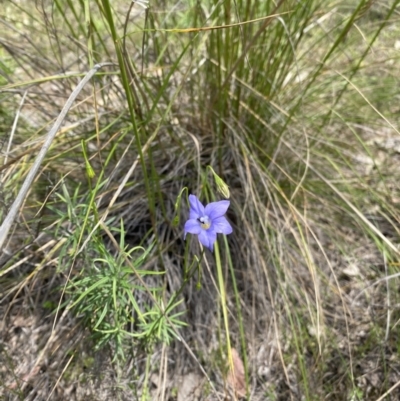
(212, 237)
(222, 226)
(192, 226)
(196, 207)
(216, 209)
(207, 238)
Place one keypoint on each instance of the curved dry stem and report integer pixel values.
(8, 221)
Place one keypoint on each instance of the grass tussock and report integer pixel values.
(293, 106)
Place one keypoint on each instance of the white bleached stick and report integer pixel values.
(8, 221)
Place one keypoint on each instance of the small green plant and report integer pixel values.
(160, 323)
(104, 293)
(109, 287)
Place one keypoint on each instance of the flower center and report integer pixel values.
(205, 222)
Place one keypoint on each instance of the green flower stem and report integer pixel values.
(239, 312)
(223, 304)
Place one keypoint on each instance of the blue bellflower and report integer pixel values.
(207, 221)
